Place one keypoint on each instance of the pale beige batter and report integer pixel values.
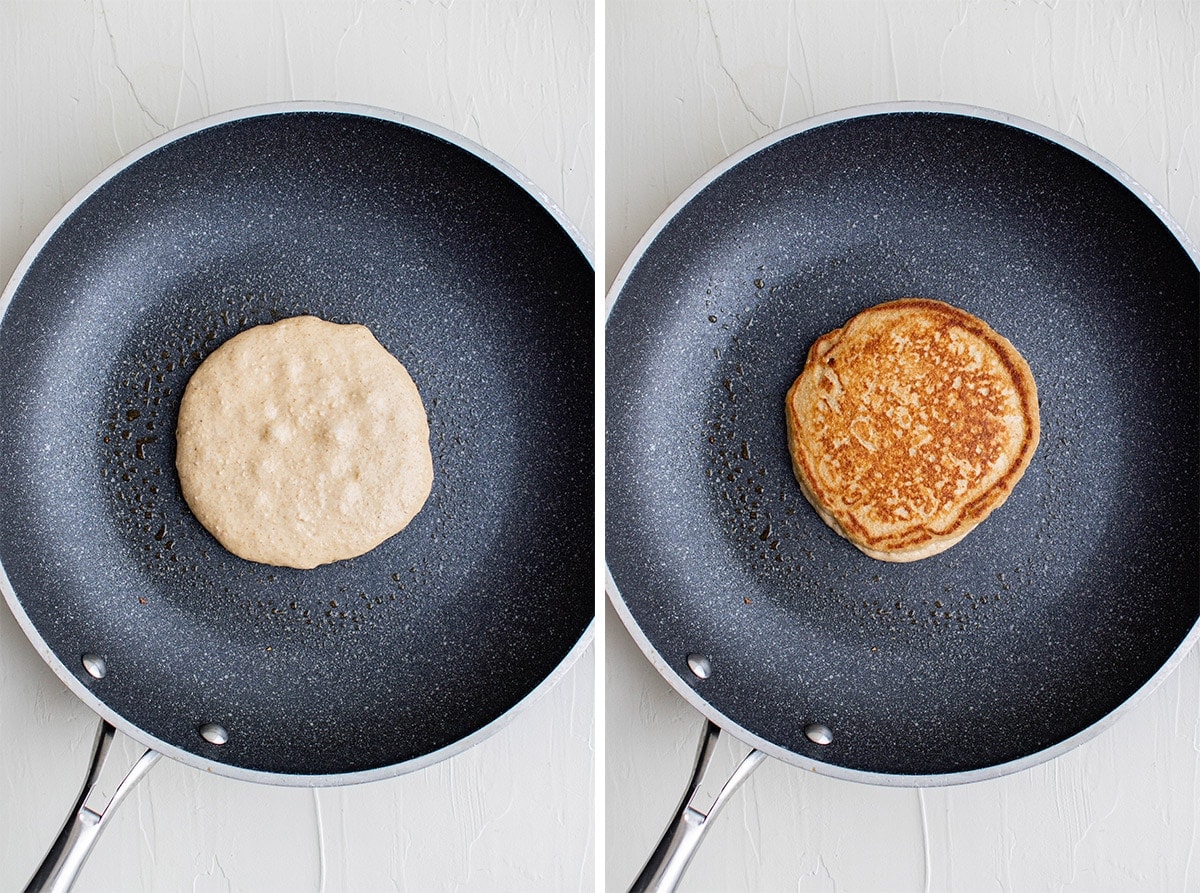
(303, 442)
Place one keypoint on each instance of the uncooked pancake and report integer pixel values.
(909, 425)
(303, 442)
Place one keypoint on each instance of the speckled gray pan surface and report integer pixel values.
(373, 662)
(1052, 612)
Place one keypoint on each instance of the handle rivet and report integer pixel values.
(700, 665)
(95, 666)
(214, 733)
(819, 733)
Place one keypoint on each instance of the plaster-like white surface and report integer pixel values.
(688, 82)
(82, 83)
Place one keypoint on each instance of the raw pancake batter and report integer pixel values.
(303, 442)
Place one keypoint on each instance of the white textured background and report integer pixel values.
(689, 82)
(82, 83)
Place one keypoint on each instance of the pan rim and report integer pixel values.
(52, 660)
(681, 685)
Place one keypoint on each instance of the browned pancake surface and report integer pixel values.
(909, 425)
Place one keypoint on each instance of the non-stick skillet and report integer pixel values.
(1073, 600)
(354, 671)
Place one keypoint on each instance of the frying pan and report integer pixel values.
(365, 668)
(1065, 607)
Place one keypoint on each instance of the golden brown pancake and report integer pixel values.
(303, 442)
(909, 425)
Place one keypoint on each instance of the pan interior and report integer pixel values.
(1052, 612)
(367, 663)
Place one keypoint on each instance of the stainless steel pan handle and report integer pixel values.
(688, 826)
(74, 843)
